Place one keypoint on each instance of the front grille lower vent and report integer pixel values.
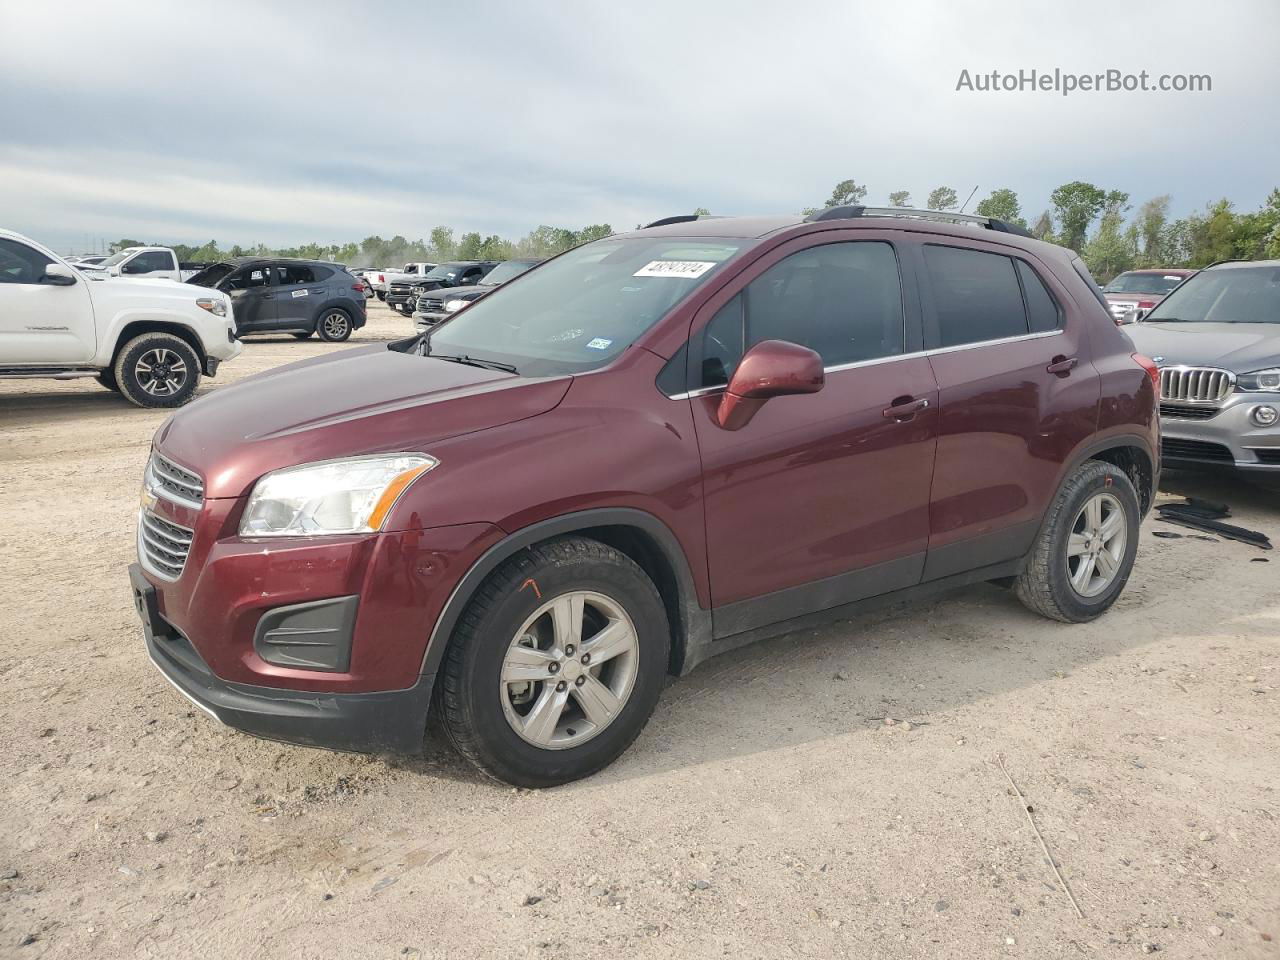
(1195, 384)
(1178, 449)
(1187, 412)
(163, 545)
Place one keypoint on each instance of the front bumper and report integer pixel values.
(388, 721)
(1228, 438)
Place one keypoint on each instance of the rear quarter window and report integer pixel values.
(977, 296)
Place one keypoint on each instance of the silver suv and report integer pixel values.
(1216, 340)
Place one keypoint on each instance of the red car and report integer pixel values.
(1133, 294)
(647, 451)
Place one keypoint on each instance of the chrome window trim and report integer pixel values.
(837, 368)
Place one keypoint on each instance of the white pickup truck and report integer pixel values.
(153, 263)
(381, 280)
(149, 340)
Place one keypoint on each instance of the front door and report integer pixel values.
(253, 297)
(821, 499)
(41, 322)
(1018, 395)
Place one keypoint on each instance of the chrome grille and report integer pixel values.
(1195, 384)
(430, 304)
(163, 545)
(173, 482)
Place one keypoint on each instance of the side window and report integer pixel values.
(250, 277)
(976, 295)
(151, 261)
(1043, 311)
(842, 300)
(293, 274)
(21, 264)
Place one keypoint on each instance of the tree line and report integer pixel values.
(1101, 225)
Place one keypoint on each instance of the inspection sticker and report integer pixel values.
(688, 269)
(599, 343)
(300, 293)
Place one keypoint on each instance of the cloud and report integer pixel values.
(291, 122)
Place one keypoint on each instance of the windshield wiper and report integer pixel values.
(476, 362)
(1163, 320)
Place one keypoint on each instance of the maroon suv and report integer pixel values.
(652, 449)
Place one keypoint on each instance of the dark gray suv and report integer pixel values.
(301, 297)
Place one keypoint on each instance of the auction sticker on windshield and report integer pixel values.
(688, 269)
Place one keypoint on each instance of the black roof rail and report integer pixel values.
(679, 218)
(851, 212)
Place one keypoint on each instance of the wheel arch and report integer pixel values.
(135, 328)
(640, 535)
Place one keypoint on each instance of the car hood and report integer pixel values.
(1239, 347)
(368, 400)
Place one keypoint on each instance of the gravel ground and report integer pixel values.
(833, 793)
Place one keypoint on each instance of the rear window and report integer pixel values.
(1155, 283)
(295, 273)
(976, 295)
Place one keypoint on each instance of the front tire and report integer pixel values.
(1084, 554)
(556, 664)
(157, 370)
(334, 326)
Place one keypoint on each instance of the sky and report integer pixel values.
(284, 123)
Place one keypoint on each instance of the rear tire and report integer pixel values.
(521, 618)
(157, 370)
(1085, 551)
(334, 325)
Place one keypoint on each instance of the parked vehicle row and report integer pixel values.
(435, 304)
(403, 292)
(150, 340)
(650, 450)
(154, 263)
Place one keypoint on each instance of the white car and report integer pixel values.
(150, 340)
(153, 263)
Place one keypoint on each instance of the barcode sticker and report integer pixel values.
(687, 269)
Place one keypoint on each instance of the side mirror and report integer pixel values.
(59, 275)
(772, 368)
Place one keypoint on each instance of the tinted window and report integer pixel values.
(1042, 310)
(21, 264)
(1157, 283)
(151, 261)
(295, 273)
(250, 277)
(976, 295)
(213, 275)
(842, 300)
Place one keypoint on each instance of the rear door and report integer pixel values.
(1017, 396)
(299, 294)
(821, 499)
(253, 297)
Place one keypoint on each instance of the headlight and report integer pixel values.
(1260, 381)
(339, 496)
(453, 306)
(217, 307)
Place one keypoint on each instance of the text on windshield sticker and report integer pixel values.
(687, 269)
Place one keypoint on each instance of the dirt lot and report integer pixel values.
(767, 811)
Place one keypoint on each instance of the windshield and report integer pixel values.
(1157, 283)
(505, 271)
(210, 276)
(580, 310)
(445, 271)
(115, 258)
(1233, 295)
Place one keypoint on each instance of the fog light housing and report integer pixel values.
(1264, 415)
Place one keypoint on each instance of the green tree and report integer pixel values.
(702, 212)
(900, 198)
(597, 231)
(1003, 205)
(442, 244)
(469, 246)
(1076, 205)
(846, 193)
(1042, 229)
(1111, 250)
(942, 198)
(1152, 225)
(125, 244)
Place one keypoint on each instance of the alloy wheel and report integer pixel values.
(569, 670)
(1096, 545)
(161, 372)
(335, 325)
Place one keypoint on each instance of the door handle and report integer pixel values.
(1062, 365)
(905, 410)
